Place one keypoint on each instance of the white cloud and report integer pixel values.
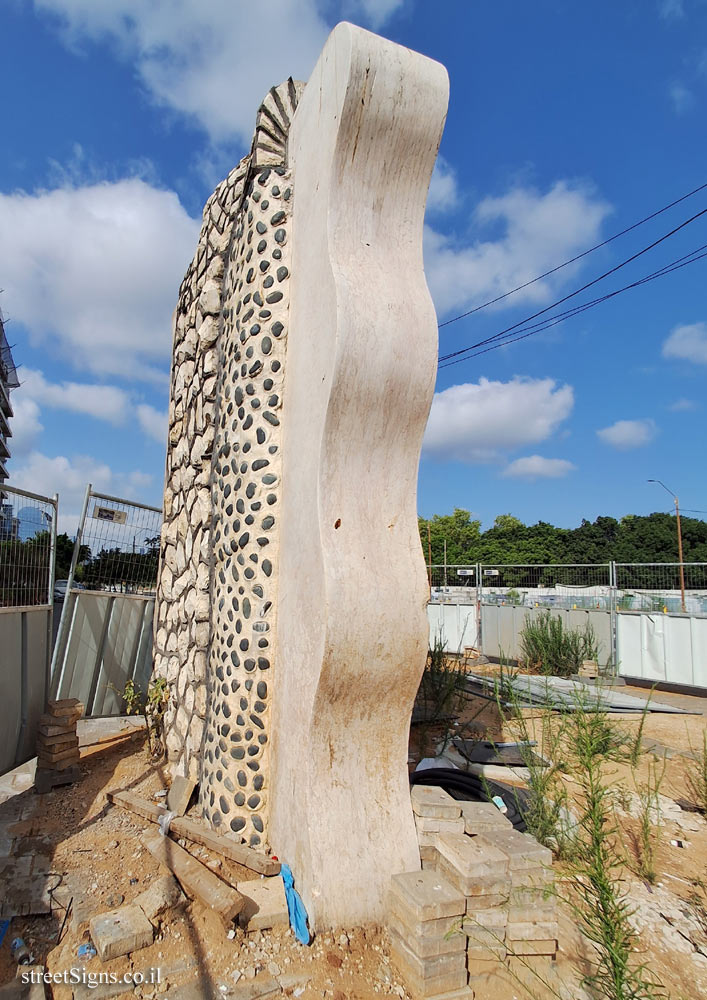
(671, 10)
(26, 425)
(213, 60)
(443, 194)
(687, 343)
(537, 467)
(478, 422)
(94, 272)
(625, 434)
(538, 232)
(104, 402)
(684, 406)
(681, 97)
(69, 476)
(153, 422)
(377, 12)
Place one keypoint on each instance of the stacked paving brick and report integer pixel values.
(424, 923)
(58, 745)
(501, 879)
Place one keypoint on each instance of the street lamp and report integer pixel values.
(677, 515)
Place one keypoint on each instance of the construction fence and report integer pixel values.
(103, 610)
(27, 557)
(650, 619)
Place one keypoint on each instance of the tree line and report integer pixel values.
(633, 538)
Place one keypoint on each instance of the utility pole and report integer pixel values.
(677, 518)
(682, 565)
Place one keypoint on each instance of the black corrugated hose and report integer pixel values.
(471, 788)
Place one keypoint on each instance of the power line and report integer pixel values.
(500, 341)
(572, 260)
(583, 288)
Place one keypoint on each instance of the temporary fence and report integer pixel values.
(650, 618)
(27, 559)
(105, 634)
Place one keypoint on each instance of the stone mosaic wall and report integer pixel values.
(246, 495)
(215, 600)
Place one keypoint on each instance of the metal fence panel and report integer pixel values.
(663, 647)
(656, 587)
(453, 624)
(27, 547)
(27, 553)
(105, 635)
(501, 626)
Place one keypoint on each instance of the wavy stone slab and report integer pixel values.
(351, 630)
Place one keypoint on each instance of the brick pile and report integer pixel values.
(58, 745)
(503, 881)
(424, 917)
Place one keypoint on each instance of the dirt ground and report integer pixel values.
(97, 855)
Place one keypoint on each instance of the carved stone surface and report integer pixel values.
(290, 618)
(352, 630)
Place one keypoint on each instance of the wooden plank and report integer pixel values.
(242, 855)
(196, 880)
(181, 826)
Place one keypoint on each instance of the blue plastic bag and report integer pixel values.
(295, 906)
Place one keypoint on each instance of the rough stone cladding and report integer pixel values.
(216, 597)
(246, 499)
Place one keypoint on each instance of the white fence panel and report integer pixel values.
(662, 647)
(501, 625)
(455, 624)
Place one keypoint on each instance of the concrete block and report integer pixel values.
(438, 988)
(426, 946)
(179, 794)
(431, 978)
(522, 948)
(433, 824)
(426, 896)
(494, 918)
(533, 878)
(428, 853)
(485, 952)
(522, 850)
(482, 966)
(163, 894)
(421, 928)
(265, 904)
(120, 932)
(537, 895)
(429, 800)
(532, 931)
(483, 817)
(542, 965)
(471, 856)
(465, 993)
(46, 779)
(495, 885)
(542, 910)
(478, 936)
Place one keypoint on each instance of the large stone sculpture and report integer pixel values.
(291, 618)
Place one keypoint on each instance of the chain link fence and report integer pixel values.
(27, 547)
(661, 586)
(120, 545)
(654, 587)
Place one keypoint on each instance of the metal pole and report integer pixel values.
(50, 601)
(72, 570)
(682, 565)
(429, 556)
(445, 563)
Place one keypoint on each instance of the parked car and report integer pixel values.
(60, 588)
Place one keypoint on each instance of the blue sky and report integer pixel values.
(567, 123)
